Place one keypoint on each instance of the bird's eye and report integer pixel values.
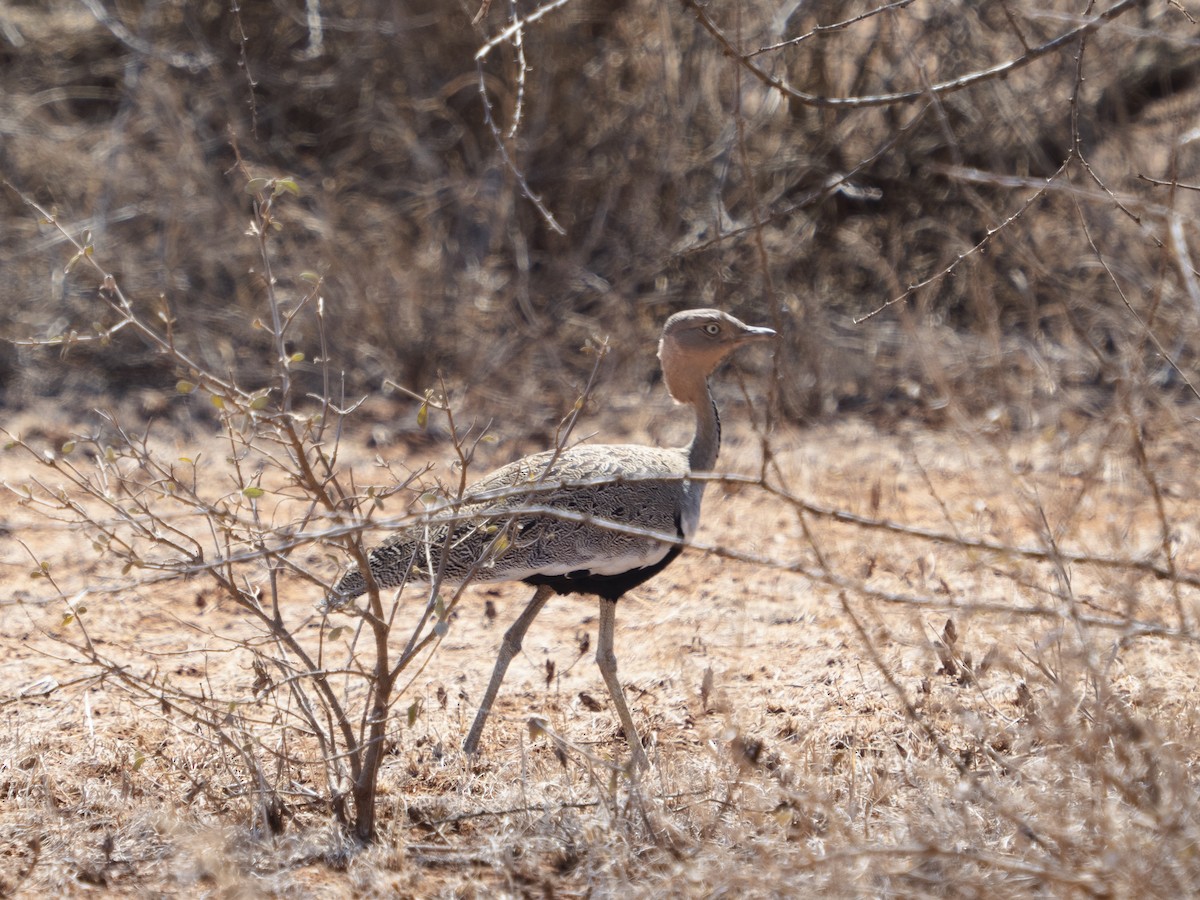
(712, 328)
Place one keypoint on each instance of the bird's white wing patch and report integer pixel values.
(598, 564)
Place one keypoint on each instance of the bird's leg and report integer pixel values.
(606, 659)
(509, 648)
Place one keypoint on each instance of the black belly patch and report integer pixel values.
(609, 587)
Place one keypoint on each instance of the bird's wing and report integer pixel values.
(592, 508)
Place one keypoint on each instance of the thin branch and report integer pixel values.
(999, 70)
(990, 232)
(829, 29)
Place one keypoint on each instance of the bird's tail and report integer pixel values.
(391, 563)
(349, 586)
(420, 556)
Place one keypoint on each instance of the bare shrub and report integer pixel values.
(703, 183)
(314, 728)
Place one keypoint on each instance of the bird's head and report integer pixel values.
(694, 342)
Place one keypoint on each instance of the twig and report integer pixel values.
(829, 29)
(514, 32)
(944, 87)
(989, 233)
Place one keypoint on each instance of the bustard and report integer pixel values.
(580, 520)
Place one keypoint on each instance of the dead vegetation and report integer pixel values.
(939, 643)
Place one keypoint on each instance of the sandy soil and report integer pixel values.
(753, 683)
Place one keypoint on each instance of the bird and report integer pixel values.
(591, 519)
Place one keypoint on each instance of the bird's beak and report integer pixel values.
(753, 334)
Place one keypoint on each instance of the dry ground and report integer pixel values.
(805, 738)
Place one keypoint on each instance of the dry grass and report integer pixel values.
(805, 738)
(943, 647)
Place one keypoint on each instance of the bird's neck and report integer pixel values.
(706, 444)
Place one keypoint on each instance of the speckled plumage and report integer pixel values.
(595, 487)
(594, 519)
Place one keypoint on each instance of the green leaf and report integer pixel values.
(442, 626)
(288, 185)
(413, 711)
(217, 401)
(253, 492)
(257, 185)
(336, 632)
(184, 387)
(67, 447)
(423, 416)
(310, 277)
(259, 402)
(296, 357)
